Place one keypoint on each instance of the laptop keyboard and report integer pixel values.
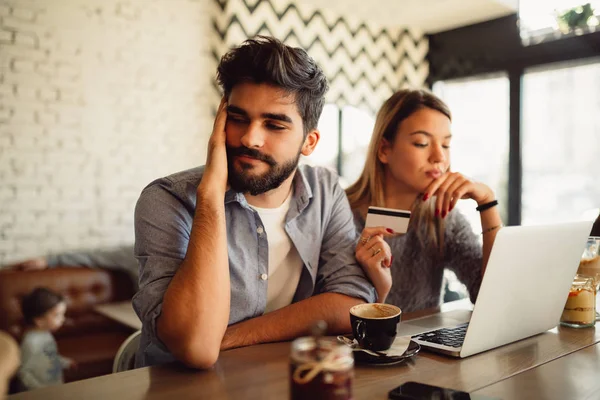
(451, 337)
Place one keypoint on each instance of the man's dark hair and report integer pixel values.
(268, 60)
(39, 302)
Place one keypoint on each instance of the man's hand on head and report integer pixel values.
(215, 172)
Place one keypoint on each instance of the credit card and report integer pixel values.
(394, 219)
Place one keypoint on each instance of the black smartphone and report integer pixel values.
(421, 391)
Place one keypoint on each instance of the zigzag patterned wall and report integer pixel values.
(364, 63)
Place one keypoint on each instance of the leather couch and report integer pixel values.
(89, 338)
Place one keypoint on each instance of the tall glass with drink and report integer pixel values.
(590, 264)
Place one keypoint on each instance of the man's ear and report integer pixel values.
(384, 150)
(310, 142)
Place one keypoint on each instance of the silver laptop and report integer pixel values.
(523, 293)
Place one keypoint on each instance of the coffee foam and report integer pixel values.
(374, 311)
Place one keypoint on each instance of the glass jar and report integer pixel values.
(580, 308)
(323, 373)
(590, 264)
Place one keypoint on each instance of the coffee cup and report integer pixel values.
(374, 325)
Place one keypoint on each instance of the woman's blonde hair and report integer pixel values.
(369, 189)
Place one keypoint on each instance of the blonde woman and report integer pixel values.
(408, 167)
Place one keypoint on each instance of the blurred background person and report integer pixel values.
(42, 365)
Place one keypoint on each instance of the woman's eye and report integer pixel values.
(420, 144)
(446, 146)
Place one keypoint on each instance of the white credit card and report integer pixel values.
(397, 220)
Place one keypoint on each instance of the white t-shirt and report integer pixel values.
(285, 264)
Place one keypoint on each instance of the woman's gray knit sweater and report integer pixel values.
(417, 274)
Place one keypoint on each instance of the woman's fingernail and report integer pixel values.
(391, 260)
(444, 214)
(450, 209)
(425, 196)
(437, 212)
(389, 230)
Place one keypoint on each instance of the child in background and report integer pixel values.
(41, 365)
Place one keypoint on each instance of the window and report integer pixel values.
(326, 152)
(561, 143)
(355, 130)
(480, 135)
(550, 19)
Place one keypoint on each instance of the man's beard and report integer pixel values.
(243, 181)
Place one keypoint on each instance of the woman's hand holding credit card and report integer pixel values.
(373, 253)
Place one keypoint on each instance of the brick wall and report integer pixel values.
(97, 98)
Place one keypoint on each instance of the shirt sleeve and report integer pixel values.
(338, 270)
(162, 228)
(464, 254)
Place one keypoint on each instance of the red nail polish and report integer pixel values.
(389, 230)
(425, 196)
(443, 214)
(451, 207)
(437, 212)
(391, 260)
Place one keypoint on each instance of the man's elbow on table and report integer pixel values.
(198, 357)
(191, 349)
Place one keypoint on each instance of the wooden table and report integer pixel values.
(574, 376)
(121, 312)
(261, 372)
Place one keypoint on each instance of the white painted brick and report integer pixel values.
(14, 51)
(12, 23)
(22, 65)
(26, 39)
(28, 246)
(21, 232)
(6, 89)
(48, 94)
(45, 68)
(25, 92)
(24, 142)
(6, 219)
(44, 117)
(23, 14)
(68, 71)
(70, 117)
(7, 193)
(4, 10)
(6, 36)
(70, 96)
(5, 114)
(5, 143)
(25, 218)
(7, 246)
(22, 115)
